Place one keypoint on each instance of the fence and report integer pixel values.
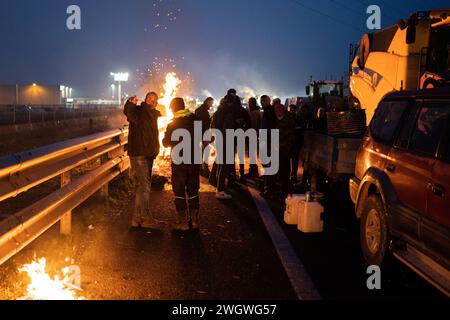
(23, 171)
(12, 115)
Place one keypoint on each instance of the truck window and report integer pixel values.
(386, 120)
(429, 127)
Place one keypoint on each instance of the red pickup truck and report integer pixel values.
(401, 187)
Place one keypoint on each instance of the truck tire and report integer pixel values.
(374, 233)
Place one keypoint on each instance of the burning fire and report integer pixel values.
(170, 91)
(44, 287)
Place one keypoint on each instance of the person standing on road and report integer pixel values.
(143, 148)
(202, 114)
(185, 176)
(255, 120)
(224, 119)
(241, 121)
(213, 175)
(268, 123)
(294, 113)
(286, 126)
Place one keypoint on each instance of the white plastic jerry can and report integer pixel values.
(293, 208)
(310, 220)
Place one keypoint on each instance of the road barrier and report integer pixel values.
(23, 171)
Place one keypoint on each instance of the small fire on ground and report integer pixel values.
(44, 286)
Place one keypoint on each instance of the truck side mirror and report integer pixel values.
(411, 35)
(401, 24)
(308, 90)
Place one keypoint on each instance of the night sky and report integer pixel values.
(264, 46)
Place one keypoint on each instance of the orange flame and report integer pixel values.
(44, 287)
(170, 91)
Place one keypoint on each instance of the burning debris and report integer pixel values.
(43, 286)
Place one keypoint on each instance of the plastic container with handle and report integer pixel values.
(294, 205)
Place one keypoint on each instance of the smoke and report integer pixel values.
(248, 78)
(246, 91)
(207, 93)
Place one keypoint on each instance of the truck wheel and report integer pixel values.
(374, 233)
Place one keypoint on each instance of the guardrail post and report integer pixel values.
(128, 173)
(104, 191)
(65, 224)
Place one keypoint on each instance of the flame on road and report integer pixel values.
(44, 287)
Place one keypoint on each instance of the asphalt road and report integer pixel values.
(231, 257)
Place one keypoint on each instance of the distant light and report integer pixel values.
(62, 88)
(120, 76)
(34, 85)
(69, 99)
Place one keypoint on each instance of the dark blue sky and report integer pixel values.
(268, 46)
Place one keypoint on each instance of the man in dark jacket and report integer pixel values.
(286, 126)
(202, 114)
(241, 121)
(268, 123)
(185, 176)
(143, 148)
(255, 120)
(224, 119)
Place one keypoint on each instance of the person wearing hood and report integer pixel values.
(185, 176)
(143, 148)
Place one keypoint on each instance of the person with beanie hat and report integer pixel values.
(185, 176)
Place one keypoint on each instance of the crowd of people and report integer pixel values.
(144, 147)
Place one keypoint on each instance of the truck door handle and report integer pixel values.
(391, 168)
(438, 191)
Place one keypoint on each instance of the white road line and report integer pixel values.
(301, 282)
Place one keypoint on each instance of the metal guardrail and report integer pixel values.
(23, 171)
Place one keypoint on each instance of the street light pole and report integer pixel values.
(119, 78)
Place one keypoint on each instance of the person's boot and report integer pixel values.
(152, 223)
(181, 221)
(194, 218)
(136, 222)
